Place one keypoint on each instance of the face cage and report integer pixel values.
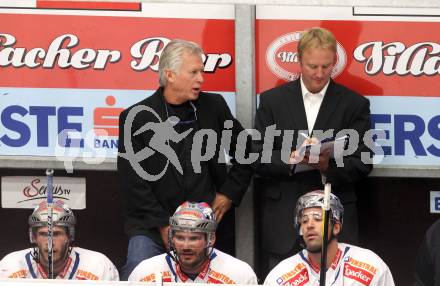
(310, 200)
(36, 253)
(173, 253)
(333, 218)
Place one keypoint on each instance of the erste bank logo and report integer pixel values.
(282, 57)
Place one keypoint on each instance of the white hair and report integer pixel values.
(171, 58)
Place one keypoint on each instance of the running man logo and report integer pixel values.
(106, 119)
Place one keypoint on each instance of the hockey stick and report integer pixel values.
(325, 217)
(49, 192)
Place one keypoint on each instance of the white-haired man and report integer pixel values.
(161, 174)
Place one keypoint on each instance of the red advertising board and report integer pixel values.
(75, 66)
(67, 51)
(394, 61)
(382, 58)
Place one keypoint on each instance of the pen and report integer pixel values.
(304, 135)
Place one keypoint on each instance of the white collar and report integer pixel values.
(305, 91)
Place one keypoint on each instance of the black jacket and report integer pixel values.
(278, 189)
(148, 204)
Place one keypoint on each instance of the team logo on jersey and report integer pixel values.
(85, 275)
(219, 278)
(360, 264)
(166, 277)
(297, 277)
(282, 57)
(22, 273)
(300, 279)
(360, 275)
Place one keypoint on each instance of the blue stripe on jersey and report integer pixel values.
(213, 255)
(29, 263)
(75, 266)
(170, 265)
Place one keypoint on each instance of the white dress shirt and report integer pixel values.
(312, 103)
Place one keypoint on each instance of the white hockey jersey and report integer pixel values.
(221, 268)
(82, 264)
(352, 266)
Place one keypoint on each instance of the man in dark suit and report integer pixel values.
(309, 106)
(157, 153)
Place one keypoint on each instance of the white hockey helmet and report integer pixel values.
(316, 199)
(194, 217)
(62, 215)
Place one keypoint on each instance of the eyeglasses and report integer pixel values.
(181, 122)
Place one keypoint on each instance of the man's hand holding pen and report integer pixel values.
(317, 162)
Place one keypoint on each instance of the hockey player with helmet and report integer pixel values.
(347, 264)
(192, 256)
(69, 262)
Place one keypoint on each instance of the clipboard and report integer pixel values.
(335, 145)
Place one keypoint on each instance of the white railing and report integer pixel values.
(60, 282)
